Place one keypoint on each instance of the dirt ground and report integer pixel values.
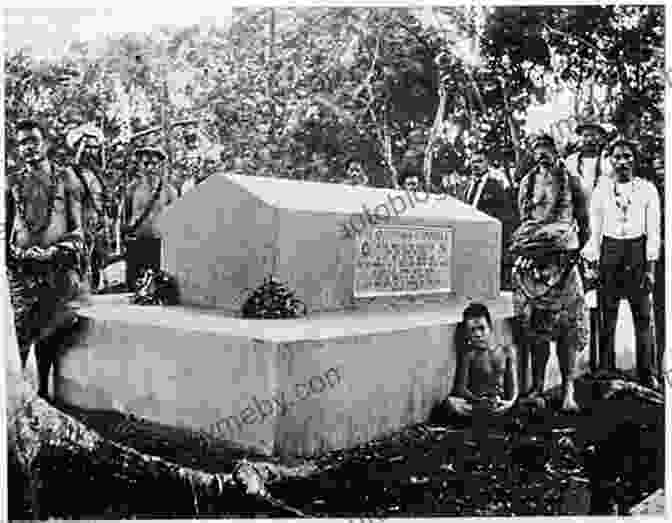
(604, 461)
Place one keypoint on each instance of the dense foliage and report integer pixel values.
(299, 92)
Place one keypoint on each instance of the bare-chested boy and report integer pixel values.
(487, 377)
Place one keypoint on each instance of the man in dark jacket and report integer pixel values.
(489, 192)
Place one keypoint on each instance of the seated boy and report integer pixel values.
(487, 380)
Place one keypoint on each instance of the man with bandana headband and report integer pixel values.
(548, 291)
(626, 219)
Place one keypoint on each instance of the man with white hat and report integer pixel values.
(86, 142)
(588, 165)
(586, 162)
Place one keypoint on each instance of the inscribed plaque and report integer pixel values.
(403, 260)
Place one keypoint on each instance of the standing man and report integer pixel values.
(586, 162)
(45, 247)
(548, 291)
(587, 165)
(625, 217)
(86, 141)
(488, 192)
(147, 197)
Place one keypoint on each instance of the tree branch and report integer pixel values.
(416, 35)
(568, 36)
(429, 148)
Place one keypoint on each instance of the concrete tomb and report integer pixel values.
(337, 246)
(384, 290)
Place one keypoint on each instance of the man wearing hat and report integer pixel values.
(147, 197)
(588, 165)
(488, 192)
(586, 162)
(86, 141)
(548, 290)
(626, 220)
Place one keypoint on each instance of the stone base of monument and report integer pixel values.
(287, 387)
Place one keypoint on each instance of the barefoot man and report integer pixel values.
(548, 292)
(45, 247)
(487, 379)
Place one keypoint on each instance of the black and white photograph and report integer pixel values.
(334, 261)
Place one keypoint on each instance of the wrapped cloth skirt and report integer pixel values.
(557, 312)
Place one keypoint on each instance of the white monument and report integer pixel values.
(385, 276)
(339, 247)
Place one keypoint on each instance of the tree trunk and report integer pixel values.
(513, 130)
(38, 432)
(47, 447)
(433, 133)
(387, 151)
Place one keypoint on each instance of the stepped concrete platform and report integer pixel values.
(205, 370)
(350, 377)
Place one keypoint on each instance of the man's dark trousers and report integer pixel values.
(141, 253)
(622, 269)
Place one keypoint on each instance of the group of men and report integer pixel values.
(589, 217)
(592, 209)
(59, 229)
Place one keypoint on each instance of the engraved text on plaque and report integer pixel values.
(403, 260)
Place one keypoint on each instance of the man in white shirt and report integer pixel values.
(625, 224)
(585, 163)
